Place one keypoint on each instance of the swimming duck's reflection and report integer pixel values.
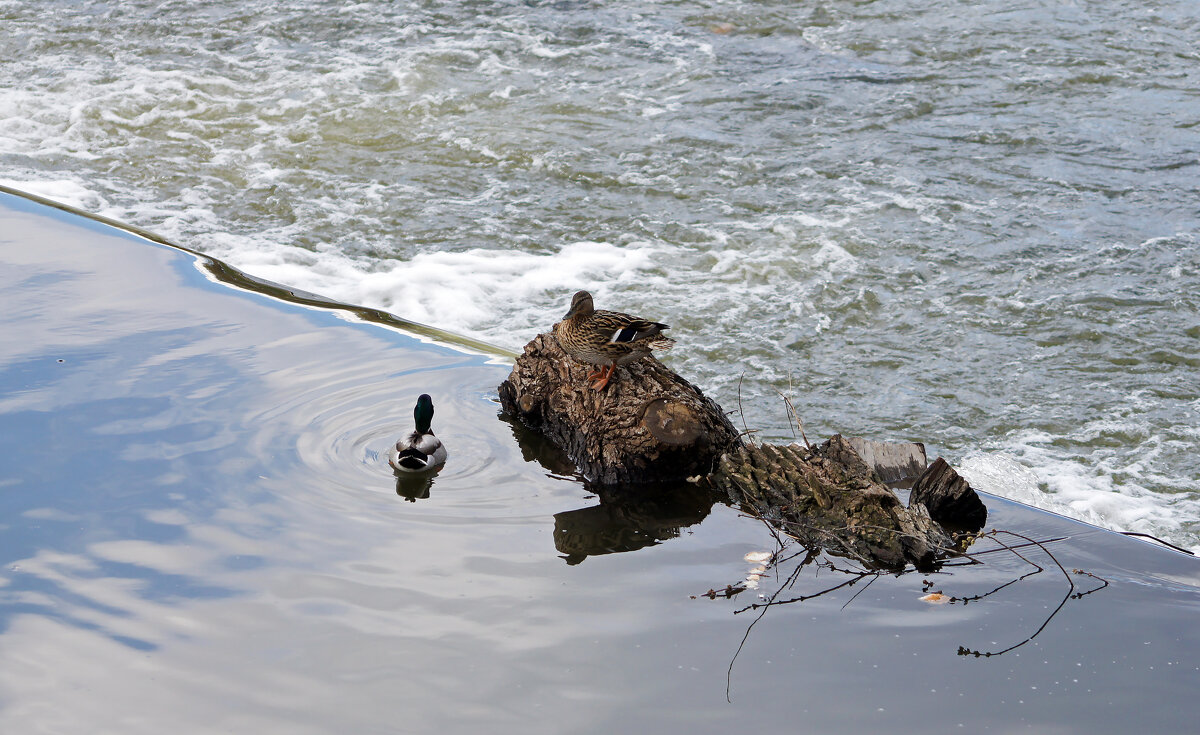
(414, 487)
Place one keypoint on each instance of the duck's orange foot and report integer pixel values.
(602, 377)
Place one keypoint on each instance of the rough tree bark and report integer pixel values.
(649, 425)
(829, 498)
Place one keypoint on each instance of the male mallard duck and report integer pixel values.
(607, 338)
(420, 450)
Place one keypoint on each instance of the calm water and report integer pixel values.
(970, 225)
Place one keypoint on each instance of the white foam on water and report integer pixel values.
(63, 191)
(492, 295)
(1031, 470)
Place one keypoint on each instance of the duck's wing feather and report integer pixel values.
(624, 328)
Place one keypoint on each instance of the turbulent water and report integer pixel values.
(975, 226)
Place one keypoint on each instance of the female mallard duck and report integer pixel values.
(607, 338)
(420, 450)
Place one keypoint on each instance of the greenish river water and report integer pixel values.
(973, 225)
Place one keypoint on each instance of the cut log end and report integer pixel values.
(671, 422)
(893, 462)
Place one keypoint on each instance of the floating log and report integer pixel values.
(829, 498)
(648, 426)
(652, 426)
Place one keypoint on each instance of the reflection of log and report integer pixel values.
(648, 425)
(628, 520)
(829, 499)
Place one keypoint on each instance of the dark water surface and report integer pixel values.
(198, 534)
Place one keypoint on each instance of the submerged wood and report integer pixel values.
(829, 498)
(648, 426)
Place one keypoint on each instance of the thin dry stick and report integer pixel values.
(963, 651)
(864, 589)
(971, 559)
(729, 670)
(746, 430)
(1103, 583)
(770, 601)
(1156, 538)
(793, 415)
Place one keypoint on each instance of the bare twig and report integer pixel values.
(1010, 547)
(1104, 583)
(746, 431)
(793, 415)
(964, 651)
(1156, 538)
(805, 558)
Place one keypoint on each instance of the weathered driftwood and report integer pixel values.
(649, 425)
(948, 498)
(892, 461)
(652, 426)
(830, 499)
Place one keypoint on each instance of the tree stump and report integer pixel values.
(648, 426)
(830, 499)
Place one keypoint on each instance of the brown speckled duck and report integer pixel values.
(607, 338)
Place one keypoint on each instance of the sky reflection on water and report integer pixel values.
(199, 535)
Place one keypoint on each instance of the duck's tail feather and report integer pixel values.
(411, 459)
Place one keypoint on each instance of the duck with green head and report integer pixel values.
(607, 338)
(419, 451)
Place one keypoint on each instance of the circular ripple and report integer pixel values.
(340, 430)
